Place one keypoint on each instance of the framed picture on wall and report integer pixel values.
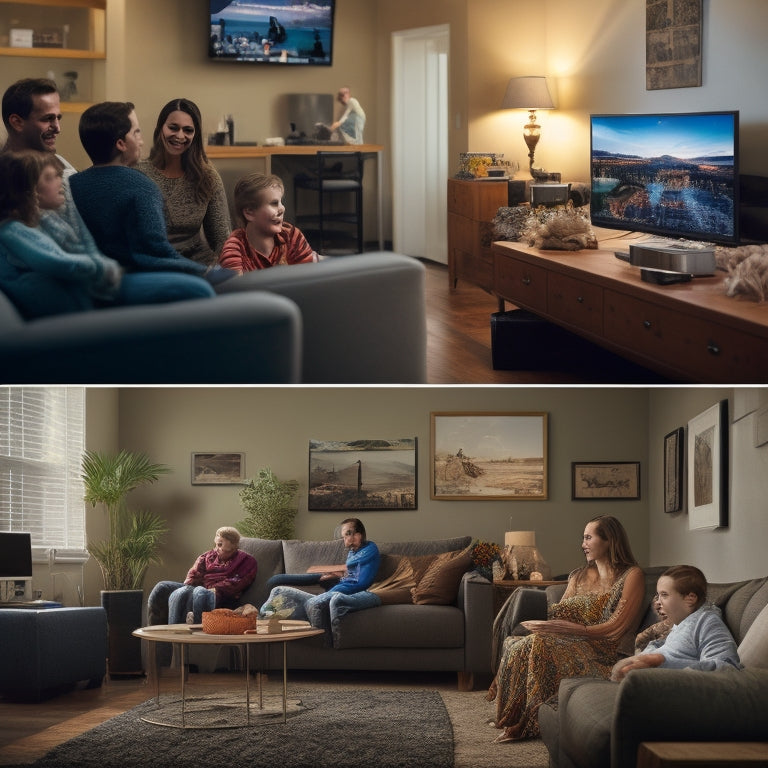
(218, 468)
(362, 474)
(708, 468)
(674, 455)
(605, 480)
(477, 455)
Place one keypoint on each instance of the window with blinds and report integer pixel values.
(42, 435)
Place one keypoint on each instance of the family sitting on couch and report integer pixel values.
(123, 231)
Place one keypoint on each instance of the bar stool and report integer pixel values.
(337, 175)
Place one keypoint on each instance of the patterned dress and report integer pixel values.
(532, 665)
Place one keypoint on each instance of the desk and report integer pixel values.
(688, 332)
(185, 634)
(238, 152)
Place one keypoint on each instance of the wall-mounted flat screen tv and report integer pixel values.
(287, 32)
(673, 175)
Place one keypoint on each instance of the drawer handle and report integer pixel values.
(712, 348)
(646, 323)
(580, 299)
(526, 280)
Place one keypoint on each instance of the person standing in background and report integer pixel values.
(352, 121)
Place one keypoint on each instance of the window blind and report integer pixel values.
(42, 436)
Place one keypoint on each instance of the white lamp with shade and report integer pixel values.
(522, 559)
(529, 93)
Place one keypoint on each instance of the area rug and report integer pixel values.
(339, 729)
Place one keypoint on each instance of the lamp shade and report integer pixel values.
(520, 539)
(527, 93)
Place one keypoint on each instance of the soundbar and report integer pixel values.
(689, 261)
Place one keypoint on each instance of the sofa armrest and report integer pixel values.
(476, 602)
(525, 603)
(688, 705)
(364, 316)
(244, 338)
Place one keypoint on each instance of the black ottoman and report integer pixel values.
(522, 341)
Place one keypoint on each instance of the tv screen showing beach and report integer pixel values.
(275, 32)
(673, 174)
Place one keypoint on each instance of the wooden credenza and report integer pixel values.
(688, 332)
(471, 207)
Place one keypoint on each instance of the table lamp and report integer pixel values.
(529, 93)
(522, 559)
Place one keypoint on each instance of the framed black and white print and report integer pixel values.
(674, 456)
(605, 480)
(708, 468)
(218, 468)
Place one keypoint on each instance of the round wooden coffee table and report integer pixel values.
(185, 635)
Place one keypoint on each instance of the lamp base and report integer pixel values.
(540, 175)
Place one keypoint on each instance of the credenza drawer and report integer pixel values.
(520, 282)
(705, 351)
(575, 302)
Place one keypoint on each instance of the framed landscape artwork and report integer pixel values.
(605, 480)
(362, 474)
(674, 453)
(218, 468)
(708, 468)
(479, 455)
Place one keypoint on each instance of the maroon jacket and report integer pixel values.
(230, 579)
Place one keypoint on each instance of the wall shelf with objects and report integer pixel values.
(60, 29)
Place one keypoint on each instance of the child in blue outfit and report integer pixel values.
(349, 593)
(699, 639)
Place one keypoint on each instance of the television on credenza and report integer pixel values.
(272, 32)
(671, 175)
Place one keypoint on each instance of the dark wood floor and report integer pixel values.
(459, 344)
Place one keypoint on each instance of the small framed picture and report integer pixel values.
(605, 480)
(674, 454)
(708, 468)
(218, 468)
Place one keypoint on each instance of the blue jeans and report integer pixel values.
(322, 611)
(182, 598)
(160, 287)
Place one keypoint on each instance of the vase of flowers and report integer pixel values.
(484, 555)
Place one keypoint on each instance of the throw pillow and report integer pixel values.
(440, 583)
(396, 588)
(753, 650)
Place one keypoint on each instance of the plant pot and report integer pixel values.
(124, 609)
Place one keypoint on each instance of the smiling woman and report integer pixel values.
(197, 216)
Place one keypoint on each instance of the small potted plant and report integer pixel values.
(484, 555)
(270, 504)
(131, 547)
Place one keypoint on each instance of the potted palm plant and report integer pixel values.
(130, 548)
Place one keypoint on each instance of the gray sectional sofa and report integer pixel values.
(347, 320)
(601, 724)
(399, 636)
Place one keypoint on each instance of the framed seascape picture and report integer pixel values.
(674, 453)
(218, 468)
(362, 474)
(479, 455)
(605, 480)
(708, 468)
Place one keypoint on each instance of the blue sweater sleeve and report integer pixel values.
(361, 570)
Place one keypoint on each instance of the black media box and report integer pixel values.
(522, 341)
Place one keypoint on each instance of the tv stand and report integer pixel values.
(688, 332)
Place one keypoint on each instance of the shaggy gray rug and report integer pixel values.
(338, 729)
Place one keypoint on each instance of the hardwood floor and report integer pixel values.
(459, 343)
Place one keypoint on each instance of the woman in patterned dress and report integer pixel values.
(583, 636)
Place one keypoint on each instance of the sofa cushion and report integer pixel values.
(300, 555)
(440, 583)
(753, 650)
(425, 546)
(396, 587)
(269, 561)
(403, 626)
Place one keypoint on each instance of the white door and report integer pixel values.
(420, 142)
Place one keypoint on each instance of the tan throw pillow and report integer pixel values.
(420, 564)
(440, 583)
(396, 588)
(753, 650)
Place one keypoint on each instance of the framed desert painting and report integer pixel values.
(362, 474)
(478, 455)
(218, 468)
(708, 468)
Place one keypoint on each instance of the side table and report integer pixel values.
(504, 588)
(671, 754)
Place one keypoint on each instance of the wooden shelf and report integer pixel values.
(53, 53)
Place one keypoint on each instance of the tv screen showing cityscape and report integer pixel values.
(674, 175)
(272, 31)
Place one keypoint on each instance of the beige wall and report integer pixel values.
(273, 426)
